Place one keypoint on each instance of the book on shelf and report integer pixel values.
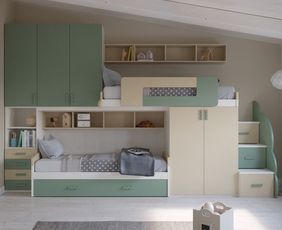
(27, 139)
(130, 53)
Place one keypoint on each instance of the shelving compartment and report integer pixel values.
(119, 119)
(20, 117)
(149, 119)
(113, 53)
(95, 119)
(211, 53)
(180, 53)
(55, 119)
(158, 52)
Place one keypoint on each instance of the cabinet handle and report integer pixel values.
(249, 159)
(72, 98)
(200, 114)
(126, 188)
(256, 185)
(20, 174)
(66, 98)
(34, 98)
(206, 115)
(20, 153)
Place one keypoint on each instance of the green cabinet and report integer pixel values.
(53, 65)
(85, 64)
(20, 65)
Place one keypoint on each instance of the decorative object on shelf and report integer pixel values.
(207, 54)
(145, 124)
(149, 55)
(66, 120)
(141, 56)
(123, 55)
(54, 121)
(30, 121)
(13, 140)
(276, 79)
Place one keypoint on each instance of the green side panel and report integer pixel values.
(85, 64)
(17, 184)
(207, 95)
(53, 65)
(252, 158)
(20, 65)
(17, 164)
(266, 137)
(100, 187)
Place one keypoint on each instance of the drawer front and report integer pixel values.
(248, 133)
(252, 158)
(100, 187)
(19, 153)
(17, 164)
(256, 185)
(12, 174)
(17, 184)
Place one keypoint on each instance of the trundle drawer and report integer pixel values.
(248, 132)
(11, 174)
(17, 164)
(256, 184)
(110, 187)
(17, 184)
(252, 158)
(20, 153)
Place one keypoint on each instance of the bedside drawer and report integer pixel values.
(17, 184)
(252, 158)
(17, 164)
(248, 132)
(257, 184)
(20, 153)
(11, 174)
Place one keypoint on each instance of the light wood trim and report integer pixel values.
(20, 153)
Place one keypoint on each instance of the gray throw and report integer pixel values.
(137, 161)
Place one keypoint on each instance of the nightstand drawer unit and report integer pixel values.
(252, 157)
(256, 183)
(248, 132)
(18, 163)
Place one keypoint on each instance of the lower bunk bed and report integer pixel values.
(68, 175)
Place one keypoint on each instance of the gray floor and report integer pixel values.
(20, 211)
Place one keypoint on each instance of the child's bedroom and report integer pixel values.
(144, 115)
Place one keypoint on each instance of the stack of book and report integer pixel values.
(27, 139)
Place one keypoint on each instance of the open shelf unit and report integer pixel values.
(165, 53)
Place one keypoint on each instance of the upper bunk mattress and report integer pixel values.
(99, 162)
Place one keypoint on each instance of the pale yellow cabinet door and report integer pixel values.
(186, 151)
(220, 150)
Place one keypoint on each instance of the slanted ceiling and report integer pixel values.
(262, 18)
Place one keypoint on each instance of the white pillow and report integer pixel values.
(50, 147)
(110, 77)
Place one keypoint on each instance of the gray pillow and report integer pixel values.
(50, 147)
(110, 77)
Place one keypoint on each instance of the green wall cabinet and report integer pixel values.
(20, 65)
(53, 65)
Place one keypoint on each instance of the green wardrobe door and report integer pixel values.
(53, 65)
(85, 64)
(20, 65)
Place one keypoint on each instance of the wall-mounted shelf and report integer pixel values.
(165, 53)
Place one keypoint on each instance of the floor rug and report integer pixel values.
(114, 225)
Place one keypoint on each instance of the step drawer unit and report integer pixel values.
(18, 164)
(256, 183)
(248, 132)
(252, 156)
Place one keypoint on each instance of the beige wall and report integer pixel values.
(249, 67)
(5, 16)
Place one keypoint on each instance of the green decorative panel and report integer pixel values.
(252, 158)
(17, 164)
(85, 64)
(53, 65)
(20, 65)
(17, 184)
(207, 96)
(86, 187)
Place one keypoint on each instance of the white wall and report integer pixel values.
(249, 66)
(5, 16)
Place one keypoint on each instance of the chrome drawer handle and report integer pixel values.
(256, 185)
(126, 188)
(244, 133)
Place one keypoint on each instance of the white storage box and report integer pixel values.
(221, 219)
(83, 124)
(83, 116)
(248, 132)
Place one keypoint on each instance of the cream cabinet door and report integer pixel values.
(220, 150)
(186, 151)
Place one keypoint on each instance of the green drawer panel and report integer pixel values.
(252, 158)
(109, 187)
(17, 164)
(17, 184)
(207, 95)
